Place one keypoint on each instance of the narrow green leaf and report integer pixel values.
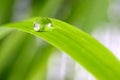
(25, 56)
(6, 8)
(47, 8)
(38, 66)
(8, 51)
(79, 45)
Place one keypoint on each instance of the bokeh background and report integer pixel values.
(26, 57)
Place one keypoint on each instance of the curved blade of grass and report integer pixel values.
(79, 45)
(9, 51)
(25, 57)
(39, 64)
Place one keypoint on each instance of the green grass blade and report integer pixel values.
(79, 45)
(38, 67)
(9, 50)
(25, 56)
(47, 8)
(6, 9)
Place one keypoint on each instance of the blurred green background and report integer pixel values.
(26, 57)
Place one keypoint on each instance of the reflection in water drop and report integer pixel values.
(36, 26)
(43, 24)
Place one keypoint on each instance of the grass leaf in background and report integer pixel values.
(7, 56)
(88, 14)
(4, 32)
(47, 8)
(6, 10)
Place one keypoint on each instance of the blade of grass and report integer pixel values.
(25, 57)
(79, 45)
(10, 48)
(6, 8)
(49, 8)
(38, 66)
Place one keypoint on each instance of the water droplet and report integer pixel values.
(43, 24)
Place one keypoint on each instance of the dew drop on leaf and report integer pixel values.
(42, 24)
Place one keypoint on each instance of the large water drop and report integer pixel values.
(42, 24)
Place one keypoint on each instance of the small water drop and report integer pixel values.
(43, 24)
